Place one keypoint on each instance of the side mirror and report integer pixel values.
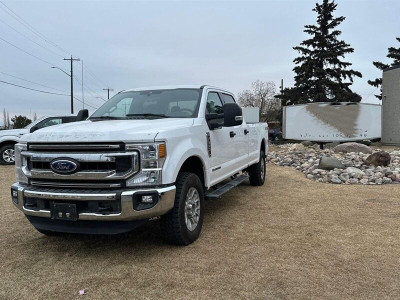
(232, 115)
(215, 120)
(33, 129)
(82, 115)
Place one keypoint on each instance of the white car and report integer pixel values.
(146, 153)
(8, 138)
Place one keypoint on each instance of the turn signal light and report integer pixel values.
(162, 151)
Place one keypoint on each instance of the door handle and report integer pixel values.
(246, 131)
(232, 134)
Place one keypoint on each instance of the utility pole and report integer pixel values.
(72, 81)
(108, 92)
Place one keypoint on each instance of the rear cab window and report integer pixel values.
(228, 98)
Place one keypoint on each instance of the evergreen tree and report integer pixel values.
(321, 73)
(394, 54)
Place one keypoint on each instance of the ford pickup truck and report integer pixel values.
(151, 153)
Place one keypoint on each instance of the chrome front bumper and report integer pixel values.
(166, 198)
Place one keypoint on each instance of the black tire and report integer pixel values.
(173, 224)
(3, 150)
(257, 176)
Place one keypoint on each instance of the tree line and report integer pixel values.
(321, 72)
(16, 121)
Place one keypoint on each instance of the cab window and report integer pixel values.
(214, 103)
(49, 122)
(228, 98)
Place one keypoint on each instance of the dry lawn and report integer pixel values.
(290, 239)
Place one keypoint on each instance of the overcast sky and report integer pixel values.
(127, 44)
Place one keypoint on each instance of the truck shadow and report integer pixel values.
(145, 240)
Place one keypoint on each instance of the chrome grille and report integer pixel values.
(97, 169)
(76, 147)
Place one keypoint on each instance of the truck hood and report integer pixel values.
(107, 131)
(13, 132)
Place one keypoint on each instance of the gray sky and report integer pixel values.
(127, 44)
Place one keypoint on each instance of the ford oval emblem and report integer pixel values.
(64, 166)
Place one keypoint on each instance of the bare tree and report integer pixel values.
(262, 95)
(4, 118)
(8, 121)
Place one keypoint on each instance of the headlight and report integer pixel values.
(20, 162)
(152, 158)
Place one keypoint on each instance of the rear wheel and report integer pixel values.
(257, 171)
(182, 225)
(7, 155)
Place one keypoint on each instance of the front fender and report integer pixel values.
(179, 150)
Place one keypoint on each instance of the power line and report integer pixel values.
(31, 82)
(90, 91)
(85, 103)
(27, 88)
(20, 20)
(51, 51)
(30, 54)
(95, 77)
(30, 27)
(46, 92)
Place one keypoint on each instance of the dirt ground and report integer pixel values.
(290, 239)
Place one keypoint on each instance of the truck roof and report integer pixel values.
(171, 87)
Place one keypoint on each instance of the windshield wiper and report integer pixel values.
(105, 118)
(148, 115)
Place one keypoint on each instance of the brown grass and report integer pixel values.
(290, 239)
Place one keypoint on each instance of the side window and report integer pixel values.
(214, 103)
(49, 122)
(228, 98)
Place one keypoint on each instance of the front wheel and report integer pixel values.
(182, 225)
(7, 155)
(257, 171)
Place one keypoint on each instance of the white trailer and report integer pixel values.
(332, 122)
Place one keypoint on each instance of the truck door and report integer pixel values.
(239, 139)
(220, 141)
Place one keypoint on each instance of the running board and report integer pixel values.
(226, 187)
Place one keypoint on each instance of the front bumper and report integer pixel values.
(126, 198)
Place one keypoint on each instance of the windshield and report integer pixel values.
(34, 123)
(176, 103)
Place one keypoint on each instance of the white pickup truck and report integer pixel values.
(145, 154)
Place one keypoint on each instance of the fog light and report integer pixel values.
(14, 196)
(147, 199)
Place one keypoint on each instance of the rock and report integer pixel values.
(378, 180)
(344, 177)
(310, 176)
(354, 172)
(307, 143)
(330, 163)
(331, 145)
(364, 181)
(298, 147)
(335, 179)
(380, 158)
(386, 180)
(352, 181)
(392, 177)
(352, 147)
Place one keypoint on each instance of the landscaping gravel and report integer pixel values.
(353, 167)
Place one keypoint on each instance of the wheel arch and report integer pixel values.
(8, 142)
(194, 164)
